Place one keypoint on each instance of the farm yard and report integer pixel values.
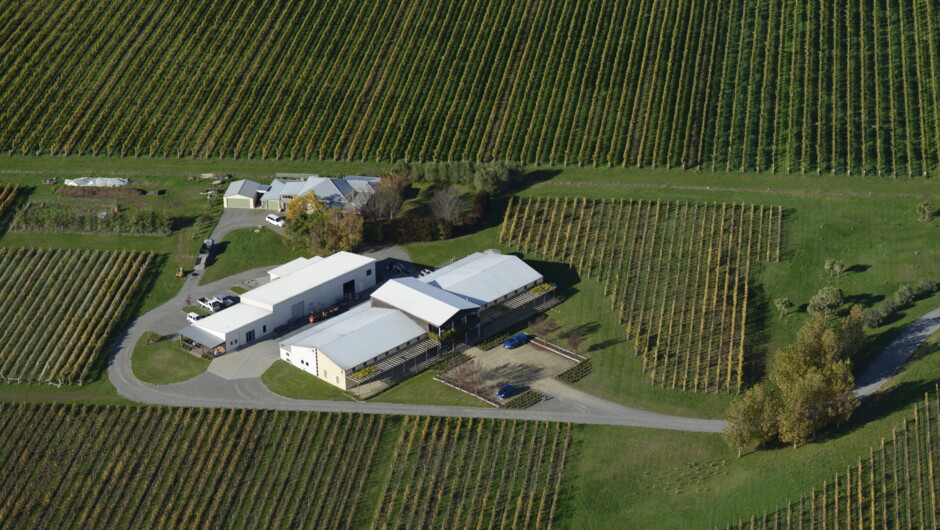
(685, 174)
(122, 468)
(769, 85)
(59, 307)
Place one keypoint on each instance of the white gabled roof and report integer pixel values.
(483, 278)
(202, 337)
(242, 188)
(312, 275)
(426, 302)
(359, 335)
(231, 319)
(291, 266)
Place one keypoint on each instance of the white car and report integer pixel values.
(192, 317)
(275, 219)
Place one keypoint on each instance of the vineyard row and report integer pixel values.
(677, 274)
(768, 85)
(58, 308)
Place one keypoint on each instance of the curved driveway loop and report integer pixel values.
(210, 390)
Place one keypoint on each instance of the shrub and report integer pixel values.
(904, 295)
(872, 318)
(926, 286)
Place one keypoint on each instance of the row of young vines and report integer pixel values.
(78, 466)
(768, 85)
(58, 308)
(894, 486)
(74, 466)
(473, 473)
(677, 274)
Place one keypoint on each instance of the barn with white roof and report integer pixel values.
(297, 288)
(401, 313)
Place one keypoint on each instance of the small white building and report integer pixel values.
(345, 344)
(299, 288)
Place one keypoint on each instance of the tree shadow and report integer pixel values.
(786, 253)
(856, 269)
(513, 374)
(217, 250)
(864, 299)
(757, 337)
(604, 344)
(179, 223)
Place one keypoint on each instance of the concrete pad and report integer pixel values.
(521, 367)
(246, 363)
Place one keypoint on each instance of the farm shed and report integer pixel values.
(314, 285)
(342, 345)
(433, 307)
(241, 194)
(387, 330)
(485, 279)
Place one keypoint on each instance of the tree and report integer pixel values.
(924, 212)
(826, 302)
(838, 268)
(904, 295)
(449, 204)
(752, 418)
(783, 305)
(387, 200)
(323, 230)
(834, 267)
(810, 385)
(927, 286)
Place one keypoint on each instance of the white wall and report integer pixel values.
(325, 295)
(328, 371)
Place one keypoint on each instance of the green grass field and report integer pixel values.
(288, 381)
(246, 249)
(163, 362)
(424, 390)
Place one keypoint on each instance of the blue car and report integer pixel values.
(506, 391)
(515, 341)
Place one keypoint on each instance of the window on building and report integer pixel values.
(368, 272)
(250, 336)
(264, 329)
(324, 374)
(337, 380)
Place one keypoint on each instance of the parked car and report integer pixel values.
(192, 317)
(275, 220)
(206, 246)
(515, 341)
(506, 391)
(209, 305)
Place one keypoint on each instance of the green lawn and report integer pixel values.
(238, 290)
(195, 309)
(97, 392)
(627, 474)
(288, 381)
(422, 389)
(248, 248)
(163, 362)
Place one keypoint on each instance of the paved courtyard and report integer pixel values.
(525, 366)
